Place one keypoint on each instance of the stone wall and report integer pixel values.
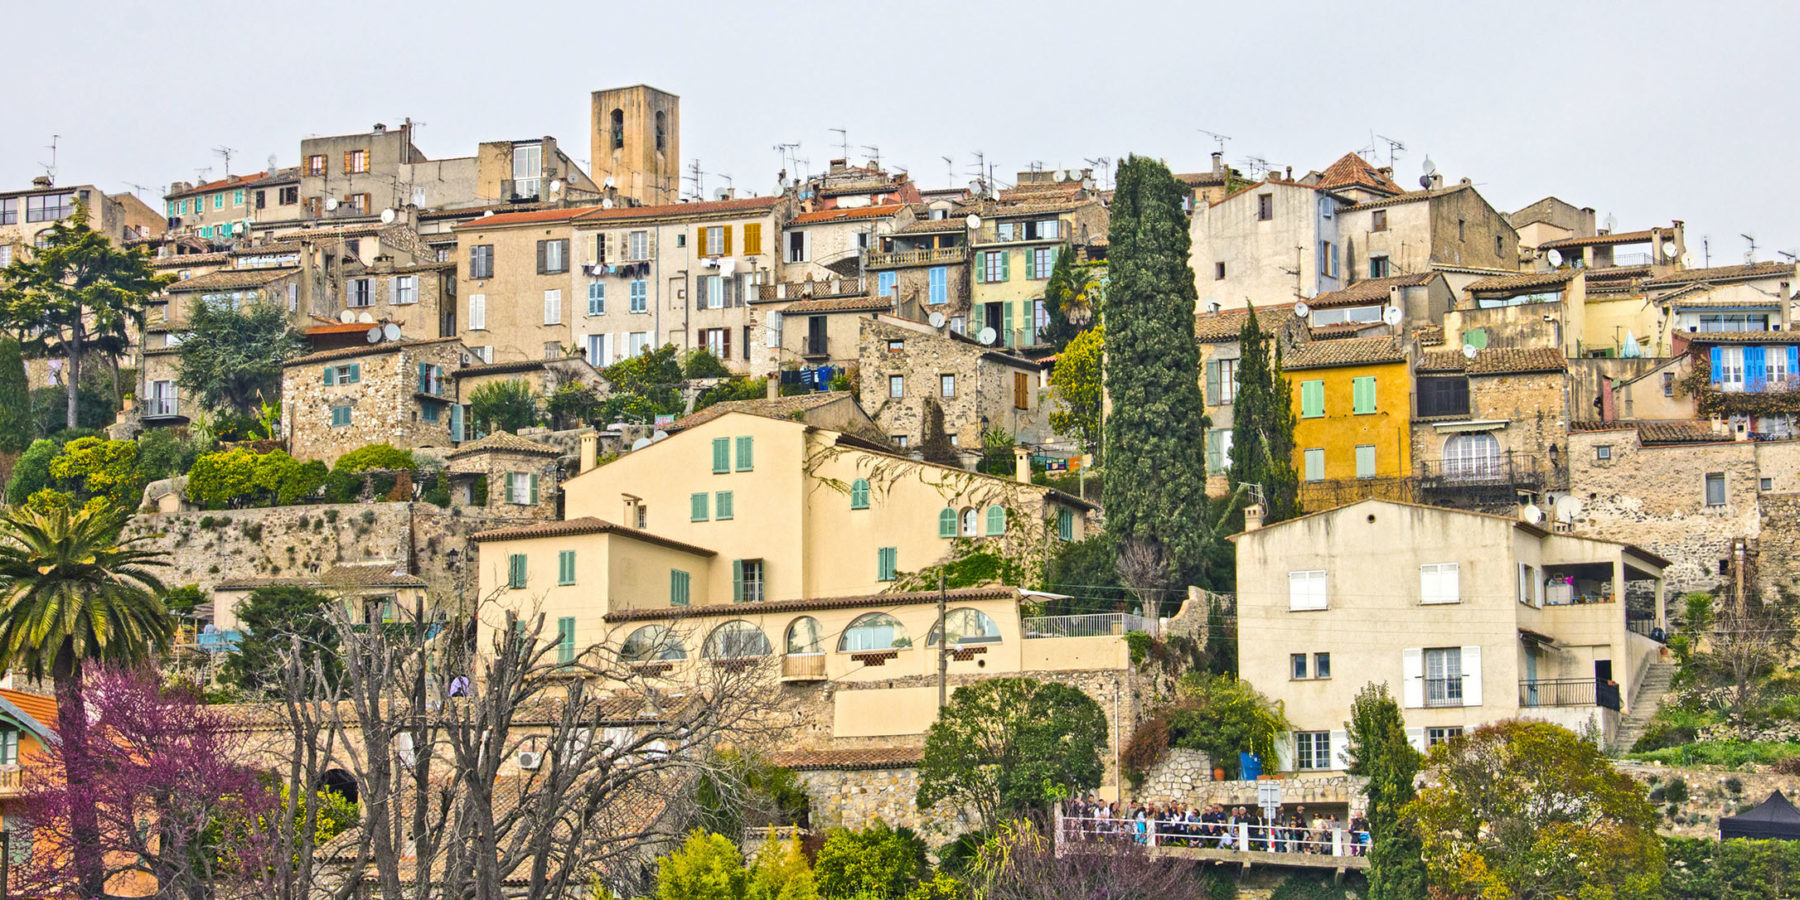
(1711, 793)
(385, 403)
(983, 389)
(855, 798)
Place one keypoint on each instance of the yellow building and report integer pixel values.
(1015, 251)
(1352, 402)
(752, 537)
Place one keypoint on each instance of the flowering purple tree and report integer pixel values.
(167, 786)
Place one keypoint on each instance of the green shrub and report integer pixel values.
(32, 471)
(1704, 869)
(437, 490)
(1140, 643)
(91, 467)
(1223, 716)
(161, 454)
(376, 456)
(878, 861)
(241, 477)
(1726, 754)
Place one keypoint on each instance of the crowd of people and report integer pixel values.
(1184, 825)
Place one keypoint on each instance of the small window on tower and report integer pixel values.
(618, 129)
(662, 130)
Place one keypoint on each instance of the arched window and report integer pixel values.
(1472, 457)
(339, 782)
(873, 631)
(971, 522)
(947, 523)
(967, 626)
(996, 520)
(859, 494)
(736, 639)
(653, 643)
(618, 129)
(662, 130)
(803, 636)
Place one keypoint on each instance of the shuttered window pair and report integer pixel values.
(1312, 399)
(522, 488)
(886, 563)
(565, 567)
(515, 571)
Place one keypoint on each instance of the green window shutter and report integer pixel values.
(509, 486)
(722, 505)
(565, 639)
(947, 523)
(328, 375)
(1006, 319)
(859, 494)
(678, 587)
(516, 573)
(737, 581)
(1365, 461)
(565, 567)
(996, 520)
(1213, 457)
(721, 455)
(1312, 399)
(1212, 382)
(1315, 464)
(1006, 265)
(534, 488)
(745, 460)
(1065, 525)
(697, 507)
(885, 559)
(1363, 390)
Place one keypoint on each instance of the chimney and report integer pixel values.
(590, 450)
(1218, 163)
(774, 385)
(42, 181)
(1387, 172)
(1021, 465)
(1437, 180)
(1290, 173)
(380, 128)
(1253, 517)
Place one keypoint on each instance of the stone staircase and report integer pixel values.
(1649, 700)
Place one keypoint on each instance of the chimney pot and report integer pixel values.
(1021, 465)
(1218, 163)
(774, 382)
(1253, 517)
(590, 449)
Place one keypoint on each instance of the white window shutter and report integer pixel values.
(394, 289)
(1412, 682)
(806, 251)
(1471, 672)
(1416, 737)
(1340, 749)
(1284, 752)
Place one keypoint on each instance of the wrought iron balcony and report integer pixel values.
(161, 408)
(1568, 692)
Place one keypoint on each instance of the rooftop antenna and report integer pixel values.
(201, 173)
(874, 155)
(1257, 166)
(1790, 256)
(788, 162)
(138, 189)
(949, 168)
(1750, 254)
(1394, 148)
(698, 178)
(50, 167)
(1218, 139)
(1036, 165)
(981, 173)
(1706, 249)
(729, 184)
(843, 143)
(1104, 165)
(225, 152)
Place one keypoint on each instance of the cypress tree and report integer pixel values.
(1262, 426)
(1380, 752)
(1155, 487)
(16, 425)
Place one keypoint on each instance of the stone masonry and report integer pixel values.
(386, 403)
(985, 385)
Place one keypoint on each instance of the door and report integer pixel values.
(815, 335)
(1603, 671)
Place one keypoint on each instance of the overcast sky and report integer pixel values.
(1650, 111)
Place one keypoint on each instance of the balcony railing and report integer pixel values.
(1098, 625)
(877, 259)
(1568, 692)
(801, 290)
(803, 667)
(1444, 691)
(1506, 471)
(12, 780)
(161, 408)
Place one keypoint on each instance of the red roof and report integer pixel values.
(680, 209)
(37, 706)
(1353, 171)
(837, 213)
(523, 218)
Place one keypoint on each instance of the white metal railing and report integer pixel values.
(1235, 836)
(1096, 625)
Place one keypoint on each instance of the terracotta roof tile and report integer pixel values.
(1513, 361)
(1373, 290)
(1441, 361)
(1408, 197)
(502, 220)
(1516, 283)
(778, 408)
(868, 758)
(37, 706)
(368, 350)
(1596, 425)
(1653, 433)
(1200, 179)
(911, 598)
(1338, 330)
(1723, 273)
(681, 210)
(1226, 324)
(1429, 335)
(230, 280)
(1602, 240)
(499, 368)
(934, 226)
(585, 525)
(1741, 337)
(504, 442)
(841, 214)
(1347, 352)
(840, 304)
(1352, 170)
(1701, 301)
(368, 575)
(239, 181)
(189, 259)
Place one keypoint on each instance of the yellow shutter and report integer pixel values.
(752, 238)
(700, 240)
(726, 250)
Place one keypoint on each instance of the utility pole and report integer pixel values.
(943, 647)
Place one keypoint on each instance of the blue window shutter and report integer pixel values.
(1793, 366)
(1755, 369)
(328, 368)
(721, 455)
(1718, 363)
(456, 422)
(744, 458)
(947, 523)
(737, 581)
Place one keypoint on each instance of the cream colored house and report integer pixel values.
(754, 538)
(1468, 618)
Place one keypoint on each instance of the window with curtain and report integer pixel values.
(873, 631)
(736, 639)
(653, 643)
(1472, 457)
(967, 626)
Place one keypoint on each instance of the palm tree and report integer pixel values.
(73, 593)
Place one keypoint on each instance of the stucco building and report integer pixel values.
(1417, 230)
(1272, 242)
(925, 267)
(236, 206)
(1469, 618)
(1352, 400)
(1014, 251)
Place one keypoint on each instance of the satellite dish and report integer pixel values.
(1430, 167)
(555, 185)
(1059, 176)
(1392, 315)
(390, 331)
(606, 202)
(1687, 260)
(1566, 507)
(1554, 256)
(347, 316)
(1469, 351)
(1669, 249)
(365, 318)
(1301, 309)
(974, 222)
(640, 443)
(988, 336)
(331, 203)
(658, 435)
(1534, 515)
(937, 320)
(1611, 223)
(608, 182)
(387, 216)
(374, 335)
